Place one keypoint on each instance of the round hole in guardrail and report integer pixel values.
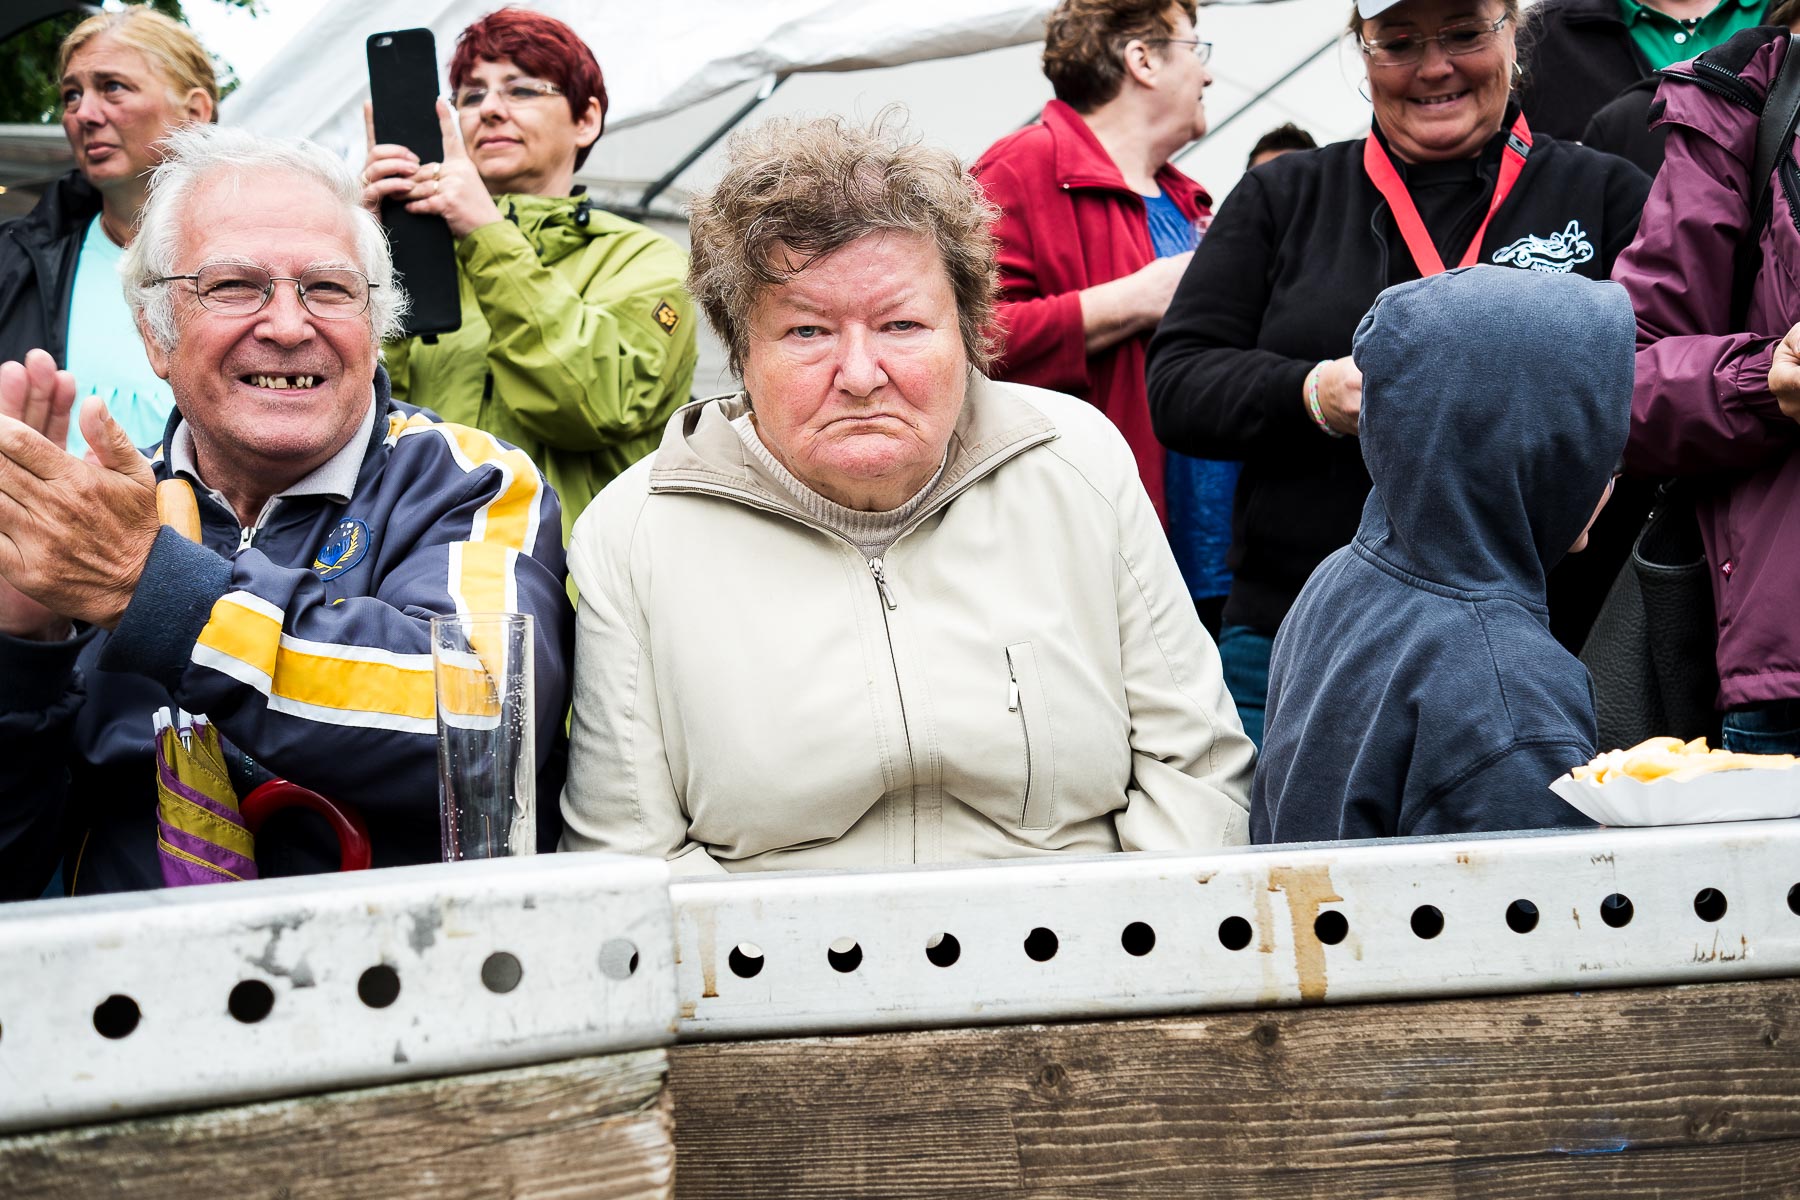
(116, 1016)
(619, 960)
(1521, 916)
(943, 950)
(1138, 939)
(1794, 899)
(1234, 933)
(745, 960)
(379, 986)
(1331, 927)
(1616, 910)
(501, 972)
(1709, 905)
(250, 1001)
(1427, 921)
(1040, 945)
(844, 955)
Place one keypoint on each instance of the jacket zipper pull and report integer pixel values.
(879, 570)
(1012, 697)
(246, 536)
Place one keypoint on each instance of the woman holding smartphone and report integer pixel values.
(577, 337)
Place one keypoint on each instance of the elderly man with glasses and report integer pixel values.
(333, 523)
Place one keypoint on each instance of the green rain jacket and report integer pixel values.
(577, 342)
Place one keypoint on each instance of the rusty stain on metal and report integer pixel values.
(709, 960)
(1463, 859)
(1307, 888)
(1270, 992)
(1576, 913)
(1716, 954)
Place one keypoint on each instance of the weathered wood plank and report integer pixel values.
(593, 1127)
(1691, 1091)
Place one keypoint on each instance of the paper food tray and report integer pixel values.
(1746, 794)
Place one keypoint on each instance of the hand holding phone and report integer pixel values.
(450, 188)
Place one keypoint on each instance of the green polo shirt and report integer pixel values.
(1664, 40)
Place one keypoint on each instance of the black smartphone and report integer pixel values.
(403, 86)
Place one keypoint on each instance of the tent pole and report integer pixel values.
(1262, 95)
(642, 208)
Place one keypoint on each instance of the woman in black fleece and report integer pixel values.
(1252, 360)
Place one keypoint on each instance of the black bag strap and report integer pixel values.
(1774, 134)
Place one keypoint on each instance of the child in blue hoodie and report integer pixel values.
(1415, 687)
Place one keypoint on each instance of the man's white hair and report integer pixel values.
(199, 154)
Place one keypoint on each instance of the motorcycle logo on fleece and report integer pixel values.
(1559, 253)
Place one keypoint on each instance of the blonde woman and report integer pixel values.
(128, 80)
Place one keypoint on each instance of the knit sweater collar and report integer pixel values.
(872, 532)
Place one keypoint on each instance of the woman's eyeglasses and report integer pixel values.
(1403, 50)
(519, 91)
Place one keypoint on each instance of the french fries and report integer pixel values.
(1672, 758)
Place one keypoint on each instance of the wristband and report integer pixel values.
(1312, 399)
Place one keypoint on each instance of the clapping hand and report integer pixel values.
(74, 535)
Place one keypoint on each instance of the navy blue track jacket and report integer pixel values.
(315, 671)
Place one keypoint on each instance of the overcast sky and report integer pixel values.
(248, 43)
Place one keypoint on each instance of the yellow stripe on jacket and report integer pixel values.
(481, 576)
(341, 685)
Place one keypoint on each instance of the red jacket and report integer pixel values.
(1067, 222)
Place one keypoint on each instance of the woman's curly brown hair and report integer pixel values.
(796, 190)
(1084, 44)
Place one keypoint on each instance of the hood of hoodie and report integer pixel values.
(1496, 404)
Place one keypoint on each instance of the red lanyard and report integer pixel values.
(1387, 181)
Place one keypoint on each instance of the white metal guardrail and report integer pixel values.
(1140, 934)
(214, 995)
(208, 996)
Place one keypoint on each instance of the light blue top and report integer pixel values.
(105, 354)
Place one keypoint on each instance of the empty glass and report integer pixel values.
(487, 745)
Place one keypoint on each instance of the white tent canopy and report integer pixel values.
(967, 71)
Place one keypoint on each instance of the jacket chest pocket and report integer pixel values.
(1026, 698)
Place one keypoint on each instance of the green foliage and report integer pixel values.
(28, 79)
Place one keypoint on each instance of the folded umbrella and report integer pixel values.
(201, 836)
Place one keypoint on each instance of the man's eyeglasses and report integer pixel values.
(236, 290)
(519, 91)
(1202, 50)
(1406, 49)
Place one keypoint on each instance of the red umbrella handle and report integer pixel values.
(352, 832)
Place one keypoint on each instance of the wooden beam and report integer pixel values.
(591, 1128)
(1691, 1091)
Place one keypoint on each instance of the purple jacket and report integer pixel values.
(1701, 405)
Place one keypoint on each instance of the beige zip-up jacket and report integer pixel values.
(1021, 673)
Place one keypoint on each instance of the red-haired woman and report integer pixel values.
(577, 337)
